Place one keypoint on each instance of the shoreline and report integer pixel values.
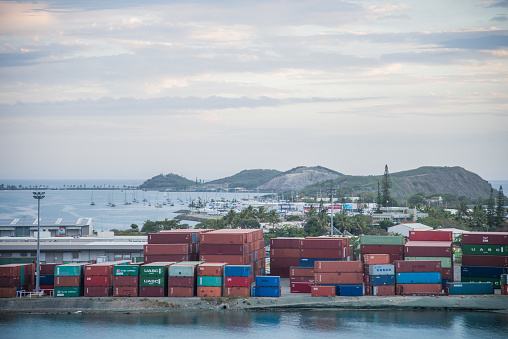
(52, 305)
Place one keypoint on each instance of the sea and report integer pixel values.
(355, 324)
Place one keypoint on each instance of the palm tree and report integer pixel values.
(230, 218)
(273, 218)
(261, 213)
(462, 211)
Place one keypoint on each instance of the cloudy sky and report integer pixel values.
(131, 89)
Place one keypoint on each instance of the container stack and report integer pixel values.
(99, 280)
(234, 247)
(69, 280)
(314, 249)
(238, 281)
(382, 279)
(172, 246)
(14, 278)
(504, 284)
(469, 288)
(284, 253)
(301, 279)
(210, 280)
(418, 277)
(267, 286)
(485, 257)
(346, 276)
(182, 279)
(153, 279)
(47, 279)
(379, 244)
(126, 280)
(432, 245)
(374, 259)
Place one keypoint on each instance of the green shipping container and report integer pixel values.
(495, 281)
(445, 261)
(381, 240)
(137, 260)
(68, 270)
(17, 260)
(210, 281)
(180, 270)
(504, 279)
(152, 271)
(152, 281)
(485, 249)
(68, 292)
(126, 270)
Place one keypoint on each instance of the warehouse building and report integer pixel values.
(25, 227)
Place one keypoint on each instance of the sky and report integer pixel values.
(205, 89)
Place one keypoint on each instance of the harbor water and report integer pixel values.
(224, 324)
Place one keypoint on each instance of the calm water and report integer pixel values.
(308, 324)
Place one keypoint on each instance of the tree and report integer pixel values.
(462, 211)
(156, 226)
(386, 184)
(491, 209)
(261, 213)
(500, 207)
(379, 199)
(272, 217)
(478, 217)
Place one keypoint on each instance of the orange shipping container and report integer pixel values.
(99, 269)
(301, 272)
(125, 291)
(8, 292)
(67, 281)
(376, 259)
(211, 269)
(209, 291)
(323, 291)
(158, 249)
(285, 252)
(339, 278)
(242, 292)
(338, 266)
(179, 292)
(418, 288)
(228, 259)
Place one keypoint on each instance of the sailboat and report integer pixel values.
(92, 203)
(125, 202)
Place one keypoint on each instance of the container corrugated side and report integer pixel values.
(446, 262)
(466, 288)
(419, 278)
(381, 240)
(473, 249)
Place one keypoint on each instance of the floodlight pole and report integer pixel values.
(331, 192)
(38, 196)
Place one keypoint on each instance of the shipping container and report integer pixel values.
(209, 291)
(237, 291)
(285, 242)
(163, 249)
(48, 268)
(381, 269)
(495, 281)
(285, 262)
(338, 266)
(301, 279)
(488, 249)
(419, 278)
(158, 269)
(310, 262)
(47, 279)
(69, 281)
(99, 269)
(323, 291)
(171, 238)
(209, 281)
(350, 290)
(266, 291)
(126, 281)
(504, 290)
(407, 266)
(431, 236)
(504, 279)
(382, 290)
(338, 278)
(125, 291)
(98, 280)
(238, 270)
(381, 280)
(68, 291)
(237, 281)
(376, 259)
(126, 270)
(285, 252)
(447, 273)
(491, 238)
(223, 237)
(321, 253)
(152, 281)
(323, 243)
(224, 249)
(300, 287)
(381, 240)
(455, 288)
(152, 291)
(182, 270)
(68, 270)
(418, 288)
(178, 292)
(428, 249)
(226, 259)
(211, 269)
(267, 281)
(301, 272)
(485, 260)
(10, 270)
(483, 271)
(148, 259)
(446, 262)
(181, 281)
(382, 249)
(98, 291)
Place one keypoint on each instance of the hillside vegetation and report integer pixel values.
(248, 179)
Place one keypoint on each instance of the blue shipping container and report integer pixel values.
(238, 270)
(350, 290)
(381, 280)
(268, 281)
(309, 262)
(47, 279)
(419, 278)
(483, 271)
(456, 288)
(264, 291)
(381, 270)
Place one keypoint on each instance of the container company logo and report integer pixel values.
(485, 239)
(152, 281)
(152, 270)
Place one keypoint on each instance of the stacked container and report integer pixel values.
(234, 247)
(314, 249)
(374, 259)
(47, 278)
(432, 245)
(422, 276)
(182, 279)
(284, 253)
(504, 284)
(485, 257)
(378, 244)
(153, 279)
(69, 280)
(301, 279)
(126, 280)
(210, 280)
(238, 281)
(99, 280)
(346, 276)
(267, 286)
(173, 246)
(382, 279)
(14, 278)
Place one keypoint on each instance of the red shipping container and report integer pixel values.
(228, 259)
(10, 281)
(323, 291)
(169, 238)
(382, 249)
(382, 290)
(47, 289)
(301, 271)
(318, 253)
(48, 268)
(224, 249)
(237, 281)
(504, 289)
(152, 291)
(431, 236)
(99, 269)
(300, 287)
(405, 266)
(242, 292)
(447, 273)
(339, 278)
(285, 252)
(126, 281)
(125, 291)
(10, 271)
(376, 259)
(203, 291)
(279, 271)
(211, 269)
(8, 292)
(98, 280)
(322, 243)
(98, 291)
(165, 249)
(166, 258)
(338, 266)
(180, 292)
(345, 240)
(428, 249)
(394, 257)
(285, 242)
(182, 281)
(484, 260)
(67, 281)
(418, 288)
(284, 262)
(221, 237)
(301, 279)
(485, 238)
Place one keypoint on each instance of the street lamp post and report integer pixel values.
(38, 196)
(331, 192)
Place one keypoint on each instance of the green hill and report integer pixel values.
(169, 181)
(248, 179)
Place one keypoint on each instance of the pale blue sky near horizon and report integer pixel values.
(126, 89)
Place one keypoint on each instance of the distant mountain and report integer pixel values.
(168, 181)
(427, 180)
(248, 179)
(299, 178)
